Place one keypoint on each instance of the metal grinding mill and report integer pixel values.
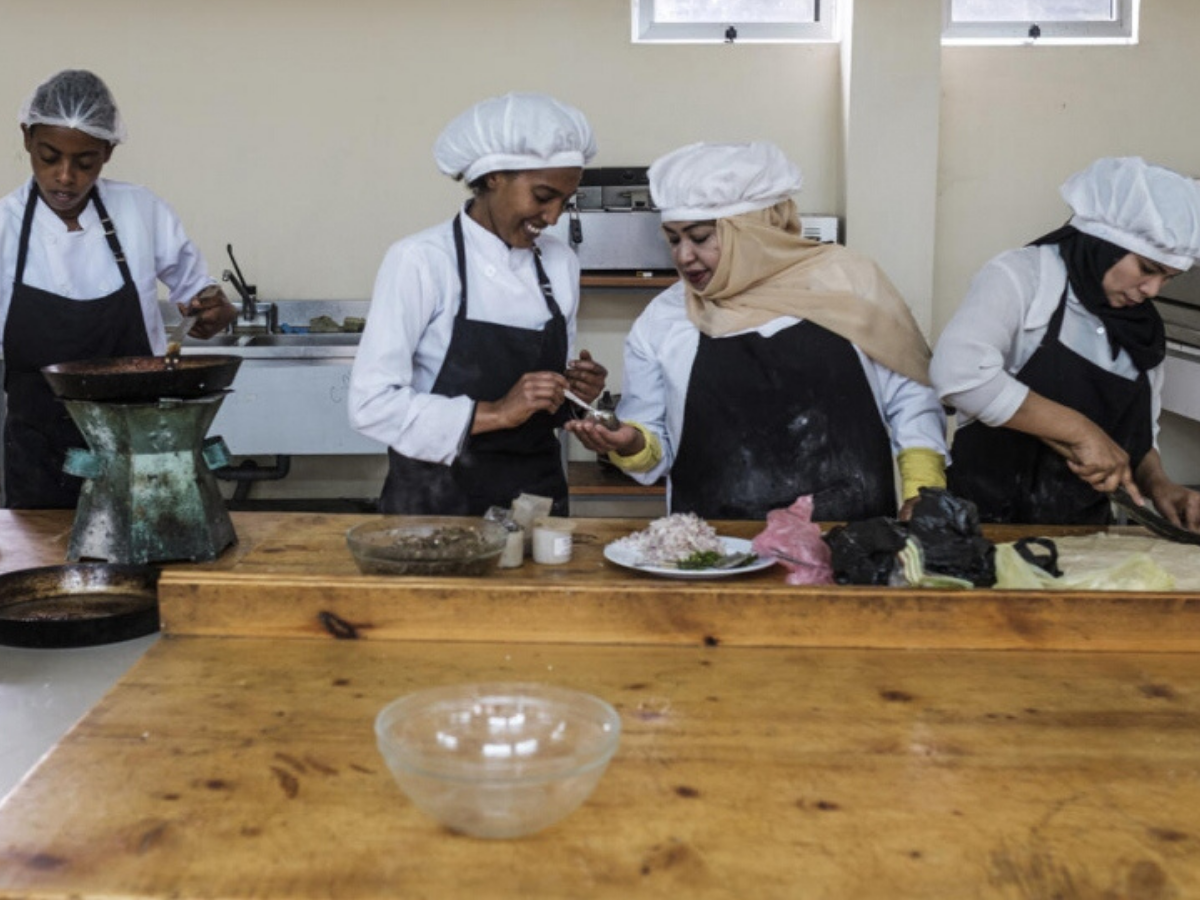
(149, 494)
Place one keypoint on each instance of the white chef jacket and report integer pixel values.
(79, 265)
(409, 323)
(659, 353)
(1000, 324)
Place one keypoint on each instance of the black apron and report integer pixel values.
(769, 419)
(483, 361)
(43, 329)
(1014, 477)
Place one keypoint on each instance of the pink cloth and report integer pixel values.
(795, 541)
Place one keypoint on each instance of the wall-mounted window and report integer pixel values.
(733, 21)
(1039, 21)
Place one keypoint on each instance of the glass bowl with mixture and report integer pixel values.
(427, 545)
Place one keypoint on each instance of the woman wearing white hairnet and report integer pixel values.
(463, 363)
(80, 258)
(777, 367)
(1054, 361)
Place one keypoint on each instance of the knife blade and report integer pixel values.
(1151, 520)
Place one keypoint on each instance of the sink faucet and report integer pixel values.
(246, 292)
(249, 305)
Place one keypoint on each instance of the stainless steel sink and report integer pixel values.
(319, 339)
(279, 346)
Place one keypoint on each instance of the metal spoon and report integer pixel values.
(603, 416)
(175, 339)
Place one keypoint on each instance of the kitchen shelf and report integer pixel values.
(627, 281)
(591, 479)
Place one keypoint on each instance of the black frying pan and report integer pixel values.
(78, 605)
(141, 379)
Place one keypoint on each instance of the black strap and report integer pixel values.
(543, 278)
(1054, 326)
(460, 252)
(110, 235)
(1048, 562)
(26, 228)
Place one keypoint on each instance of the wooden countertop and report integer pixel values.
(237, 759)
(290, 574)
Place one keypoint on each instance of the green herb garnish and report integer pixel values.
(701, 559)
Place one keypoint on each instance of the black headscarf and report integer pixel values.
(1138, 330)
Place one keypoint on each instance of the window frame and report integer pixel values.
(1053, 31)
(646, 31)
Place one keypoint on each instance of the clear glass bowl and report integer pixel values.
(498, 760)
(426, 545)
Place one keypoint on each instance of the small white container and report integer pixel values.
(552, 540)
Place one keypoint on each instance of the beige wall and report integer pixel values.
(1016, 121)
(300, 131)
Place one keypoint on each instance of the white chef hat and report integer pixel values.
(514, 132)
(78, 99)
(713, 181)
(1143, 208)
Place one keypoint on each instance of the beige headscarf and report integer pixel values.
(767, 269)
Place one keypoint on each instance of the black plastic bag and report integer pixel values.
(948, 529)
(864, 552)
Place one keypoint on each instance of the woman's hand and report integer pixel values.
(1176, 503)
(625, 441)
(213, 309)
(1100, 461)
(1089, 451)
(585, 377)
(906, 509)
(534, 392)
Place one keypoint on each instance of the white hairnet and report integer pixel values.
(714, 181)
(75, 98)
(514, 132)
(1143, 208)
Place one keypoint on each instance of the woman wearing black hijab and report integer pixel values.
(1054, 360)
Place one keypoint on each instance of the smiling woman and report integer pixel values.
(462, 369)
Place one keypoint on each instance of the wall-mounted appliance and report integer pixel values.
(615, 228)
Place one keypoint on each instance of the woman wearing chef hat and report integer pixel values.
(81, 256)
(1054, 361)
(463, 363)
(777, 366)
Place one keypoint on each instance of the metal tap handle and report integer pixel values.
(249, 288)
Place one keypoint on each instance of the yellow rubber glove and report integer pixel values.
(645, 459)
(920, 467)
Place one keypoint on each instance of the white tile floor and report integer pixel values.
(44, 692)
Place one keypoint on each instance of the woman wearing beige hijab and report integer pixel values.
(776, 367)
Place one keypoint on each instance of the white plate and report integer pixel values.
(628, 560)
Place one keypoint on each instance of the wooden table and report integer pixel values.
(765, 753)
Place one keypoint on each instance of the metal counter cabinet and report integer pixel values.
(289, 396)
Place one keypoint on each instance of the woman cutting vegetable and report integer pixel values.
(776, 367)
(81, 258)
(1054, 361)
(463, 363)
